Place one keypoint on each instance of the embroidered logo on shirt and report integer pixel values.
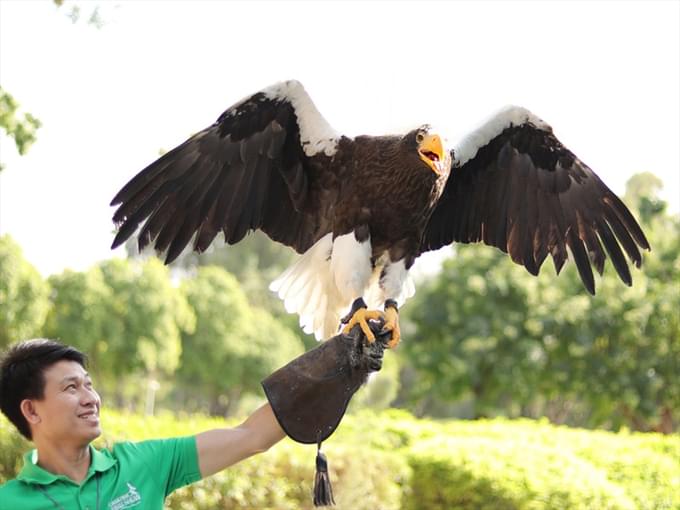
(128, 500)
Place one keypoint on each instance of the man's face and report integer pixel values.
(69, 411)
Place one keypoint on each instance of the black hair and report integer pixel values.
(22, 375)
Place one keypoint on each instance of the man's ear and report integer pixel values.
(29, 411)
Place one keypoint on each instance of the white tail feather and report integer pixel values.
(308, 289)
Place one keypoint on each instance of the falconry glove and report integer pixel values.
(309, 395)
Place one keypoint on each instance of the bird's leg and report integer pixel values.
(392, 323)
(359, 314)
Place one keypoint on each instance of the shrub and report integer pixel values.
(486, 474)
(390, 460)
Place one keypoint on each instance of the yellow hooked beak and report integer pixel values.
(431, 151)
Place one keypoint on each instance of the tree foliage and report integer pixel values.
(255, 261)
(491, 335)
(127, 316)
(80, 313)
(21, 127)
(382, 387)
(153, 311)
(23, 295)
(235, 344)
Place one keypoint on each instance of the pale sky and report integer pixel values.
(605, 75)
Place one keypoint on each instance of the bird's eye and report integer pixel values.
(420, 137)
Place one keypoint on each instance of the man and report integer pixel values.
(47, 393)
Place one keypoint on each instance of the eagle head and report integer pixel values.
(430, 148)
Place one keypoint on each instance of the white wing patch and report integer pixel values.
(494, 126)
(316, 135)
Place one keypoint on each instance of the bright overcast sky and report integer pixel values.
(604, 75)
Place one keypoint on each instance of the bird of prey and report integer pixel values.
(361, 209)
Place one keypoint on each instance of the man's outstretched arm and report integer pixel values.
(220, 448)
(325, 379)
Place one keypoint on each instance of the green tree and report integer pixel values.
(472, 337)
(512, 344)
(235, 345)
(642, 193)
(80, 313)
(128, 317)
(255, 261)
(657, 383)
(382, 387)
(152, 311)
(256, 253)
(21, 127)
(23, 295)
(623, 350)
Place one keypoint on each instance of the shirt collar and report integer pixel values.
(33, 473)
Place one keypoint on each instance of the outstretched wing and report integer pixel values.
(250, 170)
(513, 185)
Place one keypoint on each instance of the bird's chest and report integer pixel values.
(395, 202)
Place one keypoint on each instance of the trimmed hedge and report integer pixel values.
(391, 460)
(527, 464)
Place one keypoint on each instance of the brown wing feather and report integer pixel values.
(247, 171)
(527, 194)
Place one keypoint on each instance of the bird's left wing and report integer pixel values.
(249, 170)
(513, 185)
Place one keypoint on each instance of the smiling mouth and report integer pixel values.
(89, 416)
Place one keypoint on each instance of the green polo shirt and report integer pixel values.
(131, 475)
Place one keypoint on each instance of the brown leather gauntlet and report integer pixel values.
(310, 394)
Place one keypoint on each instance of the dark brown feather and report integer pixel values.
(247, 171)
(535, 198)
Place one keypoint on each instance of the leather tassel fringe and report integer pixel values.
(323, 492)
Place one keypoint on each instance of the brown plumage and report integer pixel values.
(360, 210)
(408, 191)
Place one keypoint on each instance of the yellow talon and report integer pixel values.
(361, 317)
(392, 324)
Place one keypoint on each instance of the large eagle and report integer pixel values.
(361, 210)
